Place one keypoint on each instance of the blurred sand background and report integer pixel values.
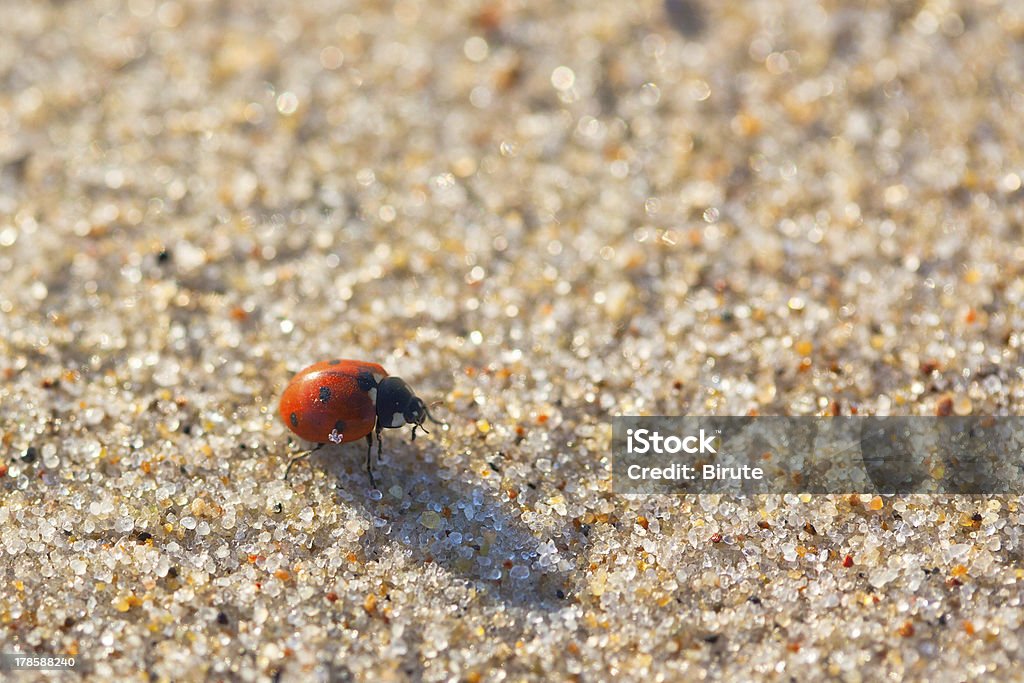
(541, 215)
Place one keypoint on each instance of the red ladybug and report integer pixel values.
(339, 401)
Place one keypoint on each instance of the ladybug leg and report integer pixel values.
(369, 457)
(300, 456)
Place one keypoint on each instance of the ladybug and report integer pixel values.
(337, 401)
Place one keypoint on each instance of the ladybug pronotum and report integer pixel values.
(338, 401)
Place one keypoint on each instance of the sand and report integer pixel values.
(541, 215)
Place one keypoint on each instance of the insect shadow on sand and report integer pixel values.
(475, 537)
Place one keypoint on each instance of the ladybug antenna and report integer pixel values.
(426, 411)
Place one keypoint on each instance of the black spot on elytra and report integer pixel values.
(325, 394)
(340, 426)
(294, 419)
(334, 361)
(365, 380)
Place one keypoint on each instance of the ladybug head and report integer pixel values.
(397, 405)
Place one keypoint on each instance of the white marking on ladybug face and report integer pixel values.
(373, 394)
(377, 378)
(397, 420)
